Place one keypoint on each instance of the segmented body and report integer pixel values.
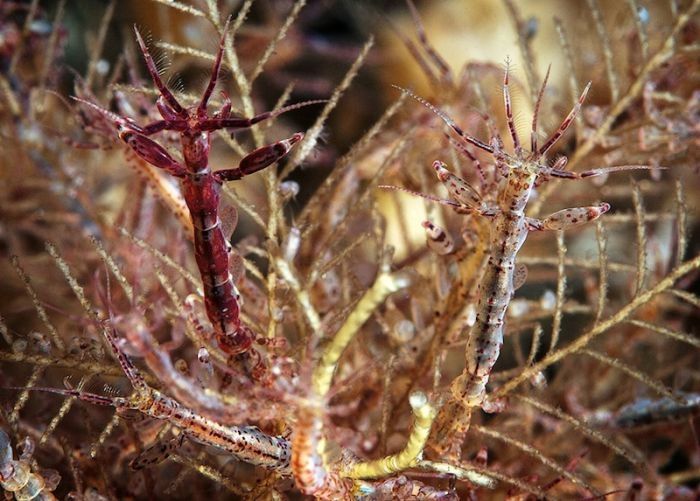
(646, 412)
(201, 190)
(509, 227)
(202, 193)
(247, 443)
(509, 231)
(407, 489)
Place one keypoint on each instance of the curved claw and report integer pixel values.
(567, 218)
(458, 188)
(259, 159)
(151, 152)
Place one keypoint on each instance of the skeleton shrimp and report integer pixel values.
(247, 443)
(510, 227)
(201, 190)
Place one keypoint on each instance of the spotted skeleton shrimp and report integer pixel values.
(509, 227)
(247, 443)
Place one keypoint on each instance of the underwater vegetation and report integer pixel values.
(349, 250)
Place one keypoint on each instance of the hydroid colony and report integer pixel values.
(344, 380)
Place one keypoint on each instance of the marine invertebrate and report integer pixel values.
(201, 189)
(363, 327)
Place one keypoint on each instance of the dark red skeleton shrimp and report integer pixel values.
(201, 190)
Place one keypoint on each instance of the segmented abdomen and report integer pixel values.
(248, 443)
(211, 254)
(495, 292)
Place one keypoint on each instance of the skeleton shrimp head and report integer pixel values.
(195, 148)
(194, 125)
(140, 400)
(151, 403)
(523, 169)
